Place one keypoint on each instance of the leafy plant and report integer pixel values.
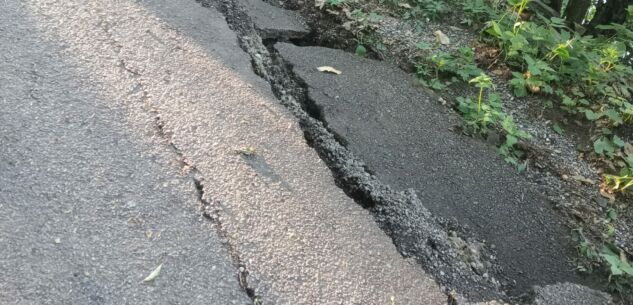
(624, 180)
(585, 73)
(618, 269)
(620, 183)
(508, 148)
(482, 82)
(480, 115)
(621, 272)
(477, 11)
(587, 251)
(440, 65)
(364, 25)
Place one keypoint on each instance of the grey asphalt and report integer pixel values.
(405, 137)
(274, 23)
(87, 209)
(105, 107)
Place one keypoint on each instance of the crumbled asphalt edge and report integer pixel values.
(421, 235)
(551, 156)
(209, 210)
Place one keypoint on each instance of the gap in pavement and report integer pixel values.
(438, 244)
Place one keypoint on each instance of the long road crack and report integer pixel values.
(424, 237)
(209, 210)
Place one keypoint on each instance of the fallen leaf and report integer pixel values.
(405, 5)
(328, 69)
(154, 274)
(57, 240)
(442, 38)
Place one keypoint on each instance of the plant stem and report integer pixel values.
(481, 93)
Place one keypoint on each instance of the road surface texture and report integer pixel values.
(87, 209)
(121, 124)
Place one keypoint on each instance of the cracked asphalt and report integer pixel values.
(108, 111)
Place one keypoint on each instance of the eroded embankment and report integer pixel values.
(386, 140)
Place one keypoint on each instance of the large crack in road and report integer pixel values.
(176, 74)
(513, 231)
(415, 231)
(173, 82)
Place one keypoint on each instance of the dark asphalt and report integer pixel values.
(404, 135)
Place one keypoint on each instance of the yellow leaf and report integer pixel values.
(329, 69)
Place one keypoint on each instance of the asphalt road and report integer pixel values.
(405, 137)
(106, 109)
(87, 209)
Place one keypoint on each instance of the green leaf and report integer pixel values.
(614, 116)
(603, 146)
(518, 84)
(558, 129)
(567, 101)
(612, 214)
(494, 29)
(617, 141)
(629, 160)
(361, 50)
(591, 116)
(511, 140)
(617, 265)
(624, 266)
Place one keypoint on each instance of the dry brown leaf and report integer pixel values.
(329, 69)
